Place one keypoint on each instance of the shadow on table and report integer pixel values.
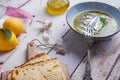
(77, 48)
(75, 43)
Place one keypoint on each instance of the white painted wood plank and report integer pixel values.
(114, 3)
(76, 46)
(17, 3)
(79, 73)
(34, 7)
(2, 11)
(20, 55)
(104, 55)
(3, 2)
(57, 21)
(13, 3)
(58, 30)
(100, 72)
(115, 74)
(38, 10)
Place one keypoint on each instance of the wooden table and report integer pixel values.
(105, 58)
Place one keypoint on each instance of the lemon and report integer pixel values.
(6, 43)
(15, 25)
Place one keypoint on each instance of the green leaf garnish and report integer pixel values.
(7, 32)
(104, 23)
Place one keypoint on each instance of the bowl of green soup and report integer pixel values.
(107, 24)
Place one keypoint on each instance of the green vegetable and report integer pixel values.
(104, 23)
(7, 32)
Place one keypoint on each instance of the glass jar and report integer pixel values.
(56, 7)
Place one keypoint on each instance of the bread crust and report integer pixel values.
(34, 57)
(29, 61)
(48, 64)
(38, 55)
(40, 62)
(45, 59)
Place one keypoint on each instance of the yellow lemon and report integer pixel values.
(7, 44)
(15, 25)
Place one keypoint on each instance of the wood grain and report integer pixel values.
(13, 3)
(76, 48)
(115, 74)
(104, 54)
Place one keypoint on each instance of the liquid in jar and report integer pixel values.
(56, 7)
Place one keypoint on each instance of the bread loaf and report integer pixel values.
(49, 69)
(40, 67)
(36, 58)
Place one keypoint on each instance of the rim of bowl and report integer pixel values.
(118, 29)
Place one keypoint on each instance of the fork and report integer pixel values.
(89, 35)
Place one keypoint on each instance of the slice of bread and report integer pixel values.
(49, 69)
(7, 75)
(37, 58)
(34, 59)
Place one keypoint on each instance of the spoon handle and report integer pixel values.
(87, 75)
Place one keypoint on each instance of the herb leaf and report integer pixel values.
(104, 22)
(7, 32)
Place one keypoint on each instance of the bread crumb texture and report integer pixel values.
(48, 69)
